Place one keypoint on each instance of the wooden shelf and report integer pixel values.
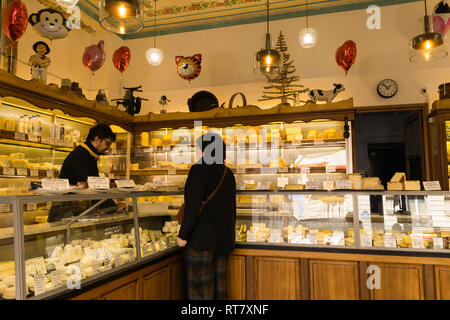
(23, 140)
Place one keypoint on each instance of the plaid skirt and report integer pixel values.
(206, 274)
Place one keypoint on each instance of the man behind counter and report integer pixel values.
(80, 164)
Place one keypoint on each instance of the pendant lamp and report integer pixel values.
(307, 36)
(121, 16)
(267, 61)
(154, 55)
(67, 3)
(428, 46)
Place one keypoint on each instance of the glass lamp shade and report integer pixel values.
(154, 56)
(428, 46)
(67, 3)
(267, 62)
(307, 37)
(121, 16)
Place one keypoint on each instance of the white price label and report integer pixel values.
(19, 136)
(313, 185)
(275, 237)
(39, 283)
(282, 182)
(305, 170)
(251, 236)
(283, 169)
(318, 141)
(166, 148)
(343, 185)
(50, 173)
(172, 172)
(125, 184)
(241, 170)
(438, 243)
(8, 171)
(52, 141)
(98, 183)
(144, 249)
(45, 140)
(366, 239)
(330, 169)
(390, 240)
(32, 138)
(268, 170)
(55, 184)
(108, 264)
(431, 185)
(22, 171)
(34, 173)
(116, 260)
(56, 278)
(40, 265)
(417, 241)
(313, 237)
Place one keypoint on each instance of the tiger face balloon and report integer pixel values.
(189, 67)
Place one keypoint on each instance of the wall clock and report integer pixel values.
(387, 88)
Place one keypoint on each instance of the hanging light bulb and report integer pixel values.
(121, 16)
(307, 36)
(267, 61)
(67, 3)
(428, 46)
(154, 55)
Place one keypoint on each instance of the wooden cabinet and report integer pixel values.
(156, 285)
(236, 278)
(126, 292)
(177, 281)
(334, 280)
(442, 275)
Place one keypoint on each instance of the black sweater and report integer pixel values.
(79, 165)
(214, 229)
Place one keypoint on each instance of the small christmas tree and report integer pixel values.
(282, 86)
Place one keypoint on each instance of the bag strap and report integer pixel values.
(214, 192)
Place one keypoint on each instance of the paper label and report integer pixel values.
(366, 239)
(268, 170)
(417, 241)
(96, 266)
(116, 260)
(39, 284)
(40, 265)
(32, 138)
(19, 136)
(338, 238)
(166, 148)
(275, 237)
(283, 169)
(330, 169)
(56, 278)
(318, 141)
(144, 249)
(108, 264)
(343, 185)
(98, 183)
(313, 185)
(22, 171)
(49, 173)
(313, 237)
(34, 173)
(251, 236)
(125, 184)
(390, 241)
(431, 185)
(55, 184)
(45, 140)
(8, 171)
(282, 182)
(438, 243)
(172, 172)
(240, 170)
(305, 170)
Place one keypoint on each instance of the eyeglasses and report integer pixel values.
(108, 142)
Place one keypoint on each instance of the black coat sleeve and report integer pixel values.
(195, 190)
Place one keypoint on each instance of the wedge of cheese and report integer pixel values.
(398, 177)
(412, 185)
(395, 186)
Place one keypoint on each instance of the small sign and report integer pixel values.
(8, 171)
(275, 237)
(55, 184)
(313, 237)
(338, 238)
(438, 243)
(125, 184)
(98, 183)
(39, 284)
(240, 170)
(330, 169)
(313, 185)
(283, 169)
(431, 185)
(282, 182)
(55, 277)
(40, 265)
(52, 141)
(390, 240)
(34, 173)
(268, 170)
(417, 241)
(366, 239)
(172, 172)
(22, 171)
(33, 138)
(108, 264)
(116, 260)
(49, 173)
(251, 236)
(305, 170)
(343, 185)
(19, 136)
(318, 141)
(166, 148)
(96, 266)
(45, 140)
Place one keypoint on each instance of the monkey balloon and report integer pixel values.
(50, 24)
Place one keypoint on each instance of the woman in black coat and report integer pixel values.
(209, 236)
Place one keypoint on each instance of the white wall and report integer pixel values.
(228, 59)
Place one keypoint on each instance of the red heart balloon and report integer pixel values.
(15, 20)
(121, 58)
(94, 56)
(346, 55)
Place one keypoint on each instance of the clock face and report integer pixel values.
(387, 88)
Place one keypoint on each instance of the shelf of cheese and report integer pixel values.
(25, 140)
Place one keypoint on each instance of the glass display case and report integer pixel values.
(53, 258)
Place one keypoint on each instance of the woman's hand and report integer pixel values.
(181, 242)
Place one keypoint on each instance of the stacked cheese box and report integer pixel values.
(399, 182)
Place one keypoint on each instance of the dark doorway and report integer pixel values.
(385, 159)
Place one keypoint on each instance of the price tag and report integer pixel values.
(251, 236)
(366, 239)
(241, 170)
(45, 140)
(153, 246)
(125, 184)
(313, 237)
(19, 136)
(49, 173)
(98, 183)
(108, 264)
(8, 171)
(296, 237)
(313, 185)
(417, 241)
(338, 238)
(116, 260)
(275, 237)
(172, 172)
(96, 266)
(438, 243)
(55, 277)
(22, 172)
(55, 184)
(330, 169)
(33, 138)
(268, 170)
(431, 185)
(283, 169)
(343, 185)
(166, 148)
(34, 173)
(390, 240)
(318, 141)
(237, 235)
(39, 284)
(305, 170)
(144, 249)
(52, 141)
(282, 182)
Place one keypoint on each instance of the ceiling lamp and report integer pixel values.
(428, 46)
(67, 3)
(154, 55)
(267, 61)
(121, 16)
(307, 36)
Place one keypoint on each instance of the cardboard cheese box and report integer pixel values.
(412, 185)
(395, 186)
(399, 177)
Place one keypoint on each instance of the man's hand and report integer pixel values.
(181, 242)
